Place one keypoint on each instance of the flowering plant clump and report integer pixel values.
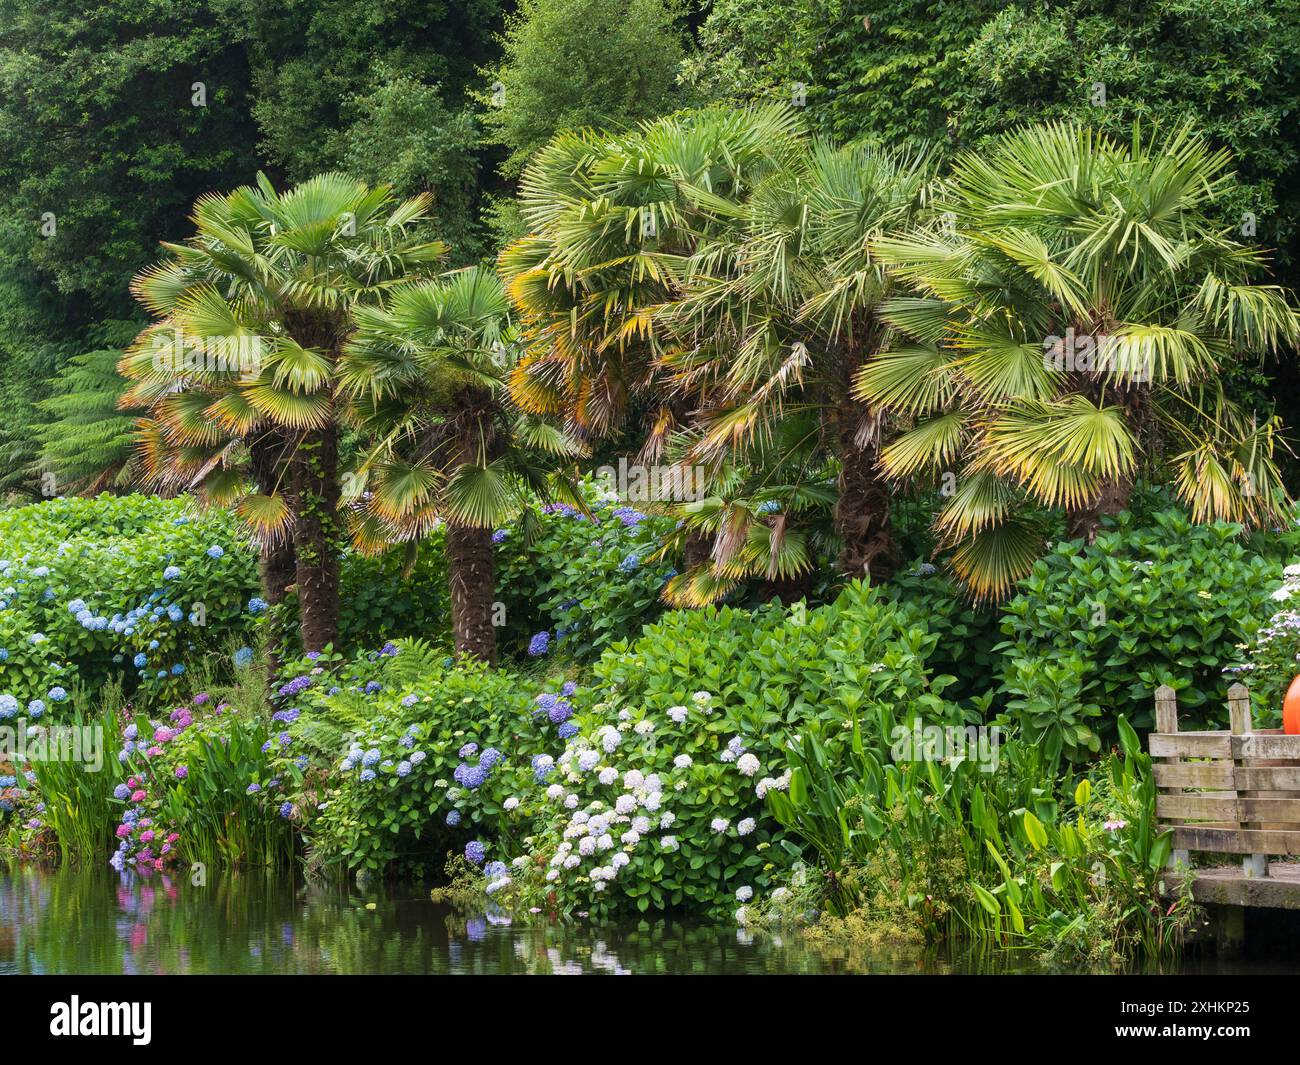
(650, 809)
(585, 580)
(133, 585)
(205, 780)
(424, 755)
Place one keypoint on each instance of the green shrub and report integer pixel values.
(391, 730)
(1165, 603)
(681, 736)
(588, 582)
(87, 585)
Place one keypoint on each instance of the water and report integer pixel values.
(92, 921)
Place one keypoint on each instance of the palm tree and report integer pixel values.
(1075, 305)
(714, 268)
(777, 312)
(237, 375)
(426, 374)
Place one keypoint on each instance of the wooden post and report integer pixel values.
(1239, 717)
(1167, 722)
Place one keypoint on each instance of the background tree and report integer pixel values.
(574, 64)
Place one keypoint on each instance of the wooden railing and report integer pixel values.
(1234, 792)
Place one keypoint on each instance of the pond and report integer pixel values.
(71, 920)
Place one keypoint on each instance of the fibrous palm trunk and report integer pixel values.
(317, 535)
(862, 510)
(470, 568)
(473, 588)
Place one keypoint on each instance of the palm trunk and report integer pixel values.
(276, 563)
(470, 567)
(316, 536)
(1083, 524)
(472, 576)
(862, 510)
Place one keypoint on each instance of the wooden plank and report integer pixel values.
(1191, 745)
(1236, 840)
(1228, 887)
(1286, 811)
(1265, 778)
(1213, 776)
(1198, 807)
(1264, 745)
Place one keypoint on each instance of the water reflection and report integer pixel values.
(93, 921)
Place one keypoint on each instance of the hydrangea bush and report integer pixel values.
(582, 582)
(1160, 603)
(1272, 659)
(132, 585)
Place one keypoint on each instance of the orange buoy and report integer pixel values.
(1291, 709)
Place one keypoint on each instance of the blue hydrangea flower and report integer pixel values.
(468, 751)
(569, 688)
(372, 687)
(140, 660)
(453, 817)
(178, 669)
(172, 573)
(403, 768)
(286, 808)
(475, 851)
(56, 694)
(499, 536)
(121, 792)
(256, 605)
(539, 644)
(243, 656)
(216, 551)
(371, 757)
(567, 730)
(410, 700)
(35, 708)
(629, 564)
(254, 788)
(490, 757)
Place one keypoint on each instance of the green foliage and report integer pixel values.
(701, 707)
(406, 135)
(1271, 660)
(1142, 606)
(571, 64)
(86, 442)
(111, 554)
(588, 581)
(416, 711)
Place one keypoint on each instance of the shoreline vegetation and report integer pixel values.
(597, 466)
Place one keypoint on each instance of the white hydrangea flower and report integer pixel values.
(633, 779)
(742, 917)
(511, 803)
(744, 894)
(668, 843)
(746, 826)
(619, 860)
(625, 804)
(571, 861)
(702, 698)
(747, 764)
(667, 818)
(644, 727)
(630, 838)
(652, 801)
(555, 791)
(571, 801)
(779, 894)
(587, 846)
(719, 825)
(677, 714)
(581, 817)
(608, 775)
(552, 874)
(683, 761)
(605, 842)
(641, 825)
(588, 760)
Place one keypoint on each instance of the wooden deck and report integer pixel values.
(1233, 792)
